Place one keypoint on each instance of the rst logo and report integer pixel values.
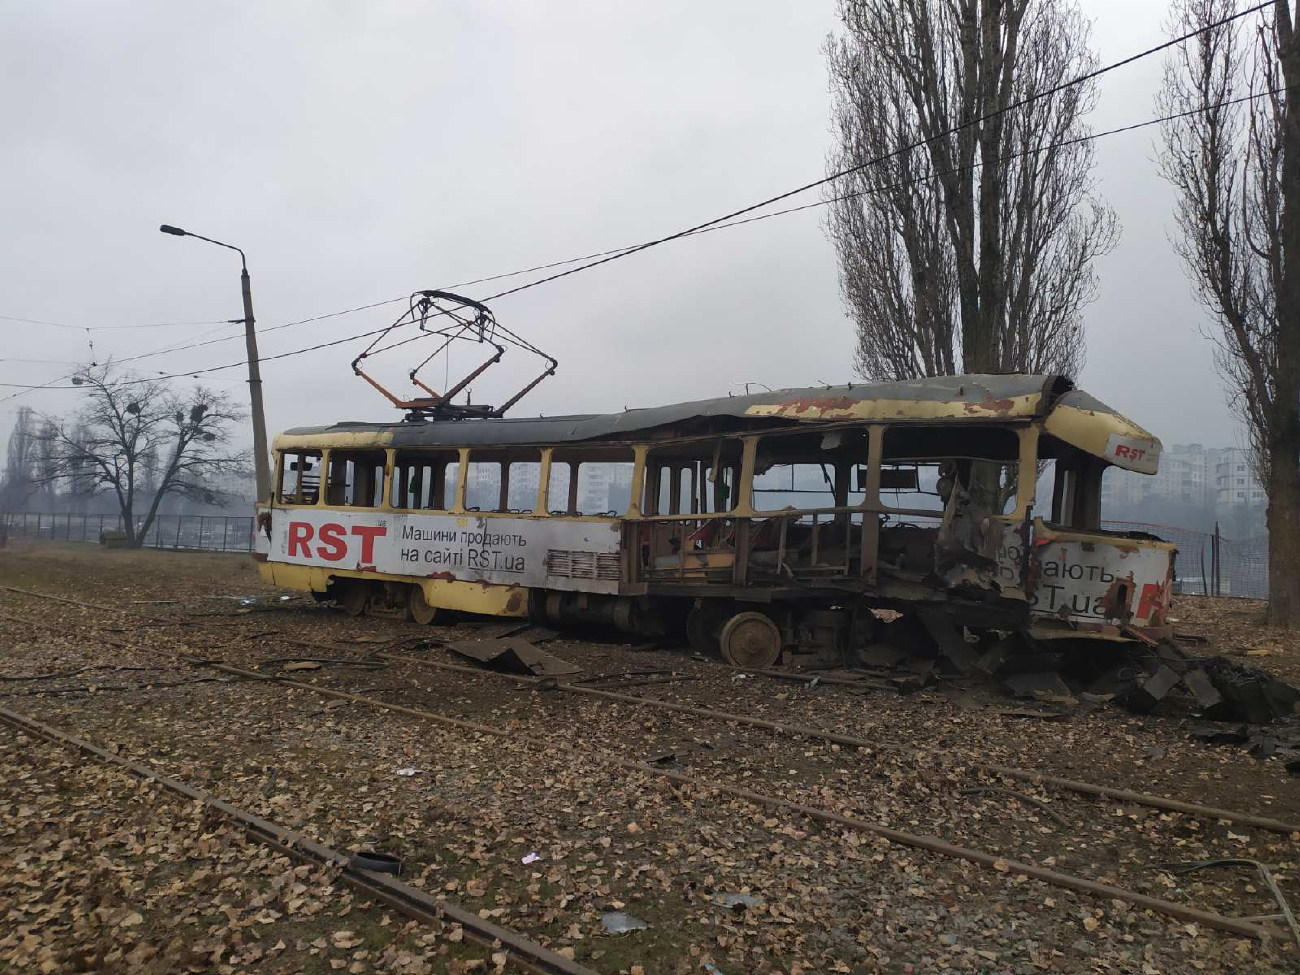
(1134, 453)
(333, 541)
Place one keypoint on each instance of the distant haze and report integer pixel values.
(360, 152)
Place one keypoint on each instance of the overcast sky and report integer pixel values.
(361, 151)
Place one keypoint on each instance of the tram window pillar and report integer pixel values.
(438, 485)
(503, 491)
(336, 479)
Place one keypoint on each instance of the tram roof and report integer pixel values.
(1073, 415)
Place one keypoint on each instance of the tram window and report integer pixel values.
(704, 474)
(504, 481)
(603, 487)
(809, 470)
(1078, 491)
(356, 478)
(425, 480)
(300, 477)
(921, 465)
(521, 491)
(782, 486)
(482, 485)
(671, 478)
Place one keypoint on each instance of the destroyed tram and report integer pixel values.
(772, 528)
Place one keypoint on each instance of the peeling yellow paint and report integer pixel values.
(845, 408)
(357, 439)
(1089, 430)
(482, 598)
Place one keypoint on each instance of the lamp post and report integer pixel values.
(261, 465)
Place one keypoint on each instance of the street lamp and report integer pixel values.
(261, 464)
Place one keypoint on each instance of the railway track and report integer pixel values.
(522, 953)
(931, 844)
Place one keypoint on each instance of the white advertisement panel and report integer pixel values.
(1075, 580)
(547, 553)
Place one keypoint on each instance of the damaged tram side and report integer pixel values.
(773, 527)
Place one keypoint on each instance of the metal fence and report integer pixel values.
(209, 533)
(1209, 564)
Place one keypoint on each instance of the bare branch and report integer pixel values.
(975, 252)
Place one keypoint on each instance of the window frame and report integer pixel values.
(386, 468)
(282, 457)
(442, 459)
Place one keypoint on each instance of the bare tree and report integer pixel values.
(45, 463)
(131, 432)
(1236, 171)
(973, 252)
(19, 477)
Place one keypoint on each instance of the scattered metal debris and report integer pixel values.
(616, 922)
(1046, 686)
(514, 655)
(376, 862)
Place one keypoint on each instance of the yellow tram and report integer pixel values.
(768, 526)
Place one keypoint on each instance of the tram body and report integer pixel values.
(771, 525)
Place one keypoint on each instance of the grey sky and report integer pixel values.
(359, 152)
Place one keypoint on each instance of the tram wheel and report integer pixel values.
(418, 609)
(751, 640)
(702, 630)
(351, 596)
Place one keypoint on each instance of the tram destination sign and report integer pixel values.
(509, 551)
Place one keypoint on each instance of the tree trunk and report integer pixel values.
(1284, 442)
(1283, 541)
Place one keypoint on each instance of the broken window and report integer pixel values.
(590, 482)
(356, 478)
(921, 467)
(810, 470)
(938, 487)
(1076, 481)
(425, 480)
(703, 477)
(300, 477)
(671, 490)
(505, 481)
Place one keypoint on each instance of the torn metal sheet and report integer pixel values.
(514, 655)
(616, 922)
(1046, 686)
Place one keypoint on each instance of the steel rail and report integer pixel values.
(929, 843)
(416, 904)
(898, 837)
(1007, 771)
(1025, 775)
